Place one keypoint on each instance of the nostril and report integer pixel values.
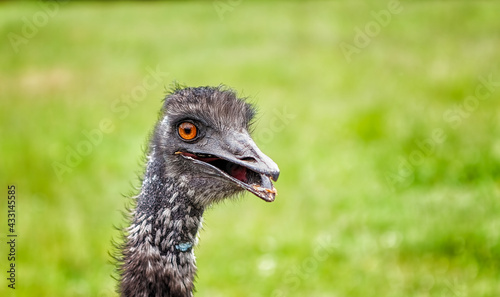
(248, 159)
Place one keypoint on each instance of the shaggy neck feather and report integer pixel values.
(158, 256)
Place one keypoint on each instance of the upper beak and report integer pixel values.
(242, 150)
(247, 166)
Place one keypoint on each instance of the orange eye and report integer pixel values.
(187, 131)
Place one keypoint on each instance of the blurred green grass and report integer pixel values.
(342, 224)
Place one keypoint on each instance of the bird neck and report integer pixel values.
(158, 258)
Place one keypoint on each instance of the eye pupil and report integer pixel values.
(187, 131)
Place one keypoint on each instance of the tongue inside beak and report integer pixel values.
(239, 172)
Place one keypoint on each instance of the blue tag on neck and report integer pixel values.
(183, 246)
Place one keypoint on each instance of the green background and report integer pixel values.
(386, 135)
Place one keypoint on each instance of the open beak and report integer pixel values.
(239, 160)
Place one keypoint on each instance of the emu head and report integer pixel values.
(203, 137)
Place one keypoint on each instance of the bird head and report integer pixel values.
(203, 135)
